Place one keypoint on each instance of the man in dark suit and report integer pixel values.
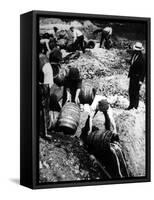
(136, 75)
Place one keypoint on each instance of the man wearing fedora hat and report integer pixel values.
(136, 75)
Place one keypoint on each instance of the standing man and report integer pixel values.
(78, 38)
(136, 75)
(45, 71)
(45, 84)
(106, 35)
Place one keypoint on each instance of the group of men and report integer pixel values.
(50, 55)
(76, 39)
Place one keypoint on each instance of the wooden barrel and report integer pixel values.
(90, 44)
(87, 94)
(99, 141)
(69, 118)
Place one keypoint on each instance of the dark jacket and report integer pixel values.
(137, 68)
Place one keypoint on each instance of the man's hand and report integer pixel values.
(68, 98)
(48, 53)
(77, 96)
(77, 100)
(89, 132)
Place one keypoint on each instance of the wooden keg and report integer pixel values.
(69, 118)
(87, 94)
(99, 141)
(90, 44)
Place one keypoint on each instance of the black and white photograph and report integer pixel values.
(92, 83)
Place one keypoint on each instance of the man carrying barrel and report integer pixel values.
(72, 86)
(78, 38)
(97, 103)
(104, 144)
(106, 35)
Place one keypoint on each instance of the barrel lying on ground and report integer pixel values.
(90, 44)
(108, 152)
(98, 141)
(69, 118)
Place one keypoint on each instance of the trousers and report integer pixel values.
(79, 43)
(134, 88)
(104, 36)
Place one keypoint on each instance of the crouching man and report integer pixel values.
(78, 38)
(103, 144)
(101, 104)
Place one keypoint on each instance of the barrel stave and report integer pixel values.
(69, 117)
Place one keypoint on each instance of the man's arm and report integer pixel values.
(77, 96)
(112, 122)
(47, 45)
(74, 35)
(68, 93)
(79, 85)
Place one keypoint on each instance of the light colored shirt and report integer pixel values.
(134, 58)
(108, 30)
(76, 33)
(96, 100)
(48, 74)
(109, 110)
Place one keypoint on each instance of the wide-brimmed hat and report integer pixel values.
(138, 46)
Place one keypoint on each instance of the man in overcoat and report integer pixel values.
(136, 75)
